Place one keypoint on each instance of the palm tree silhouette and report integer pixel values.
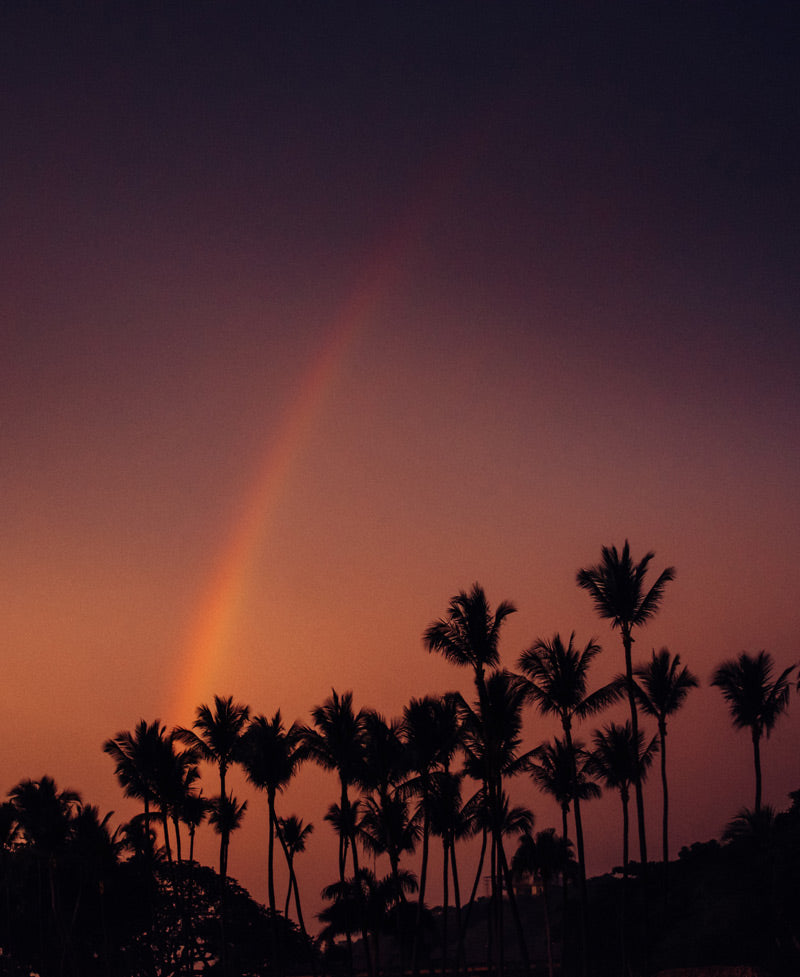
(551, 769)
(555, 677)
(754, 699)
(546, 857)
(661, 691)
(45, 817)
(226, 817)
(294, 835)
(216, 734)
(136, 756)
(620, 758)
(492, 735)
(271, 755)
(617, 588)
(337, 743)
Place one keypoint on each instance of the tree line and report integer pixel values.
(439, 773)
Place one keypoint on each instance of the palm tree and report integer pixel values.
(271, 756)
(555, 677)
(617, 587)
(45, 818)
(470, 633)
(620, 759)
(337, 743)
(294, 835)
(492, 735)
(545, 857)
(426, 756)
(551, 769)
(226, 817)
(661, 691)
(136, 756)
(216, 734)
(754, 699)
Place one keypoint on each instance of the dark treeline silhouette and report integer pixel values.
(78, 898)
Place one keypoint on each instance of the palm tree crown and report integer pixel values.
(470, 633)
(616, 585)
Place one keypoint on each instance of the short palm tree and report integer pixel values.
(755, 700)
(546, 857)
(617, 587)
(555, 677)
(226, 817)
(618, 759)
(661, 691)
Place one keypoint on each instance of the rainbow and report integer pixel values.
(210, 631)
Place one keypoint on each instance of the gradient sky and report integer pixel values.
(313, 317)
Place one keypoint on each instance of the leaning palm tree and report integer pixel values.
(755, 700)
(293, 835)
(271, 756)
(661, 691)
(617, 588)
(470, 633)
(216, 734)
(555, 677)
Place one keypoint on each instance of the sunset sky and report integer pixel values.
(313, 317)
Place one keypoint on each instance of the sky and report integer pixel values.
(314, 314)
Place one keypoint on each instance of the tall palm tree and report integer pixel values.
(661, 691)
(555, 677)
(271, 756)
(617, 587)
(470, 633)
(216, 734)
(755, 700)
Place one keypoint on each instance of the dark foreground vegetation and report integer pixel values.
(79, 899)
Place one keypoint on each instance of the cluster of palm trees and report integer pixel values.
(441, 771)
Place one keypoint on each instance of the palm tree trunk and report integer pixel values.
(423, 876)
(512, 900)
(757, 763)
(457, 901)
(627, 641)
(584, 901)
(662, 735)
